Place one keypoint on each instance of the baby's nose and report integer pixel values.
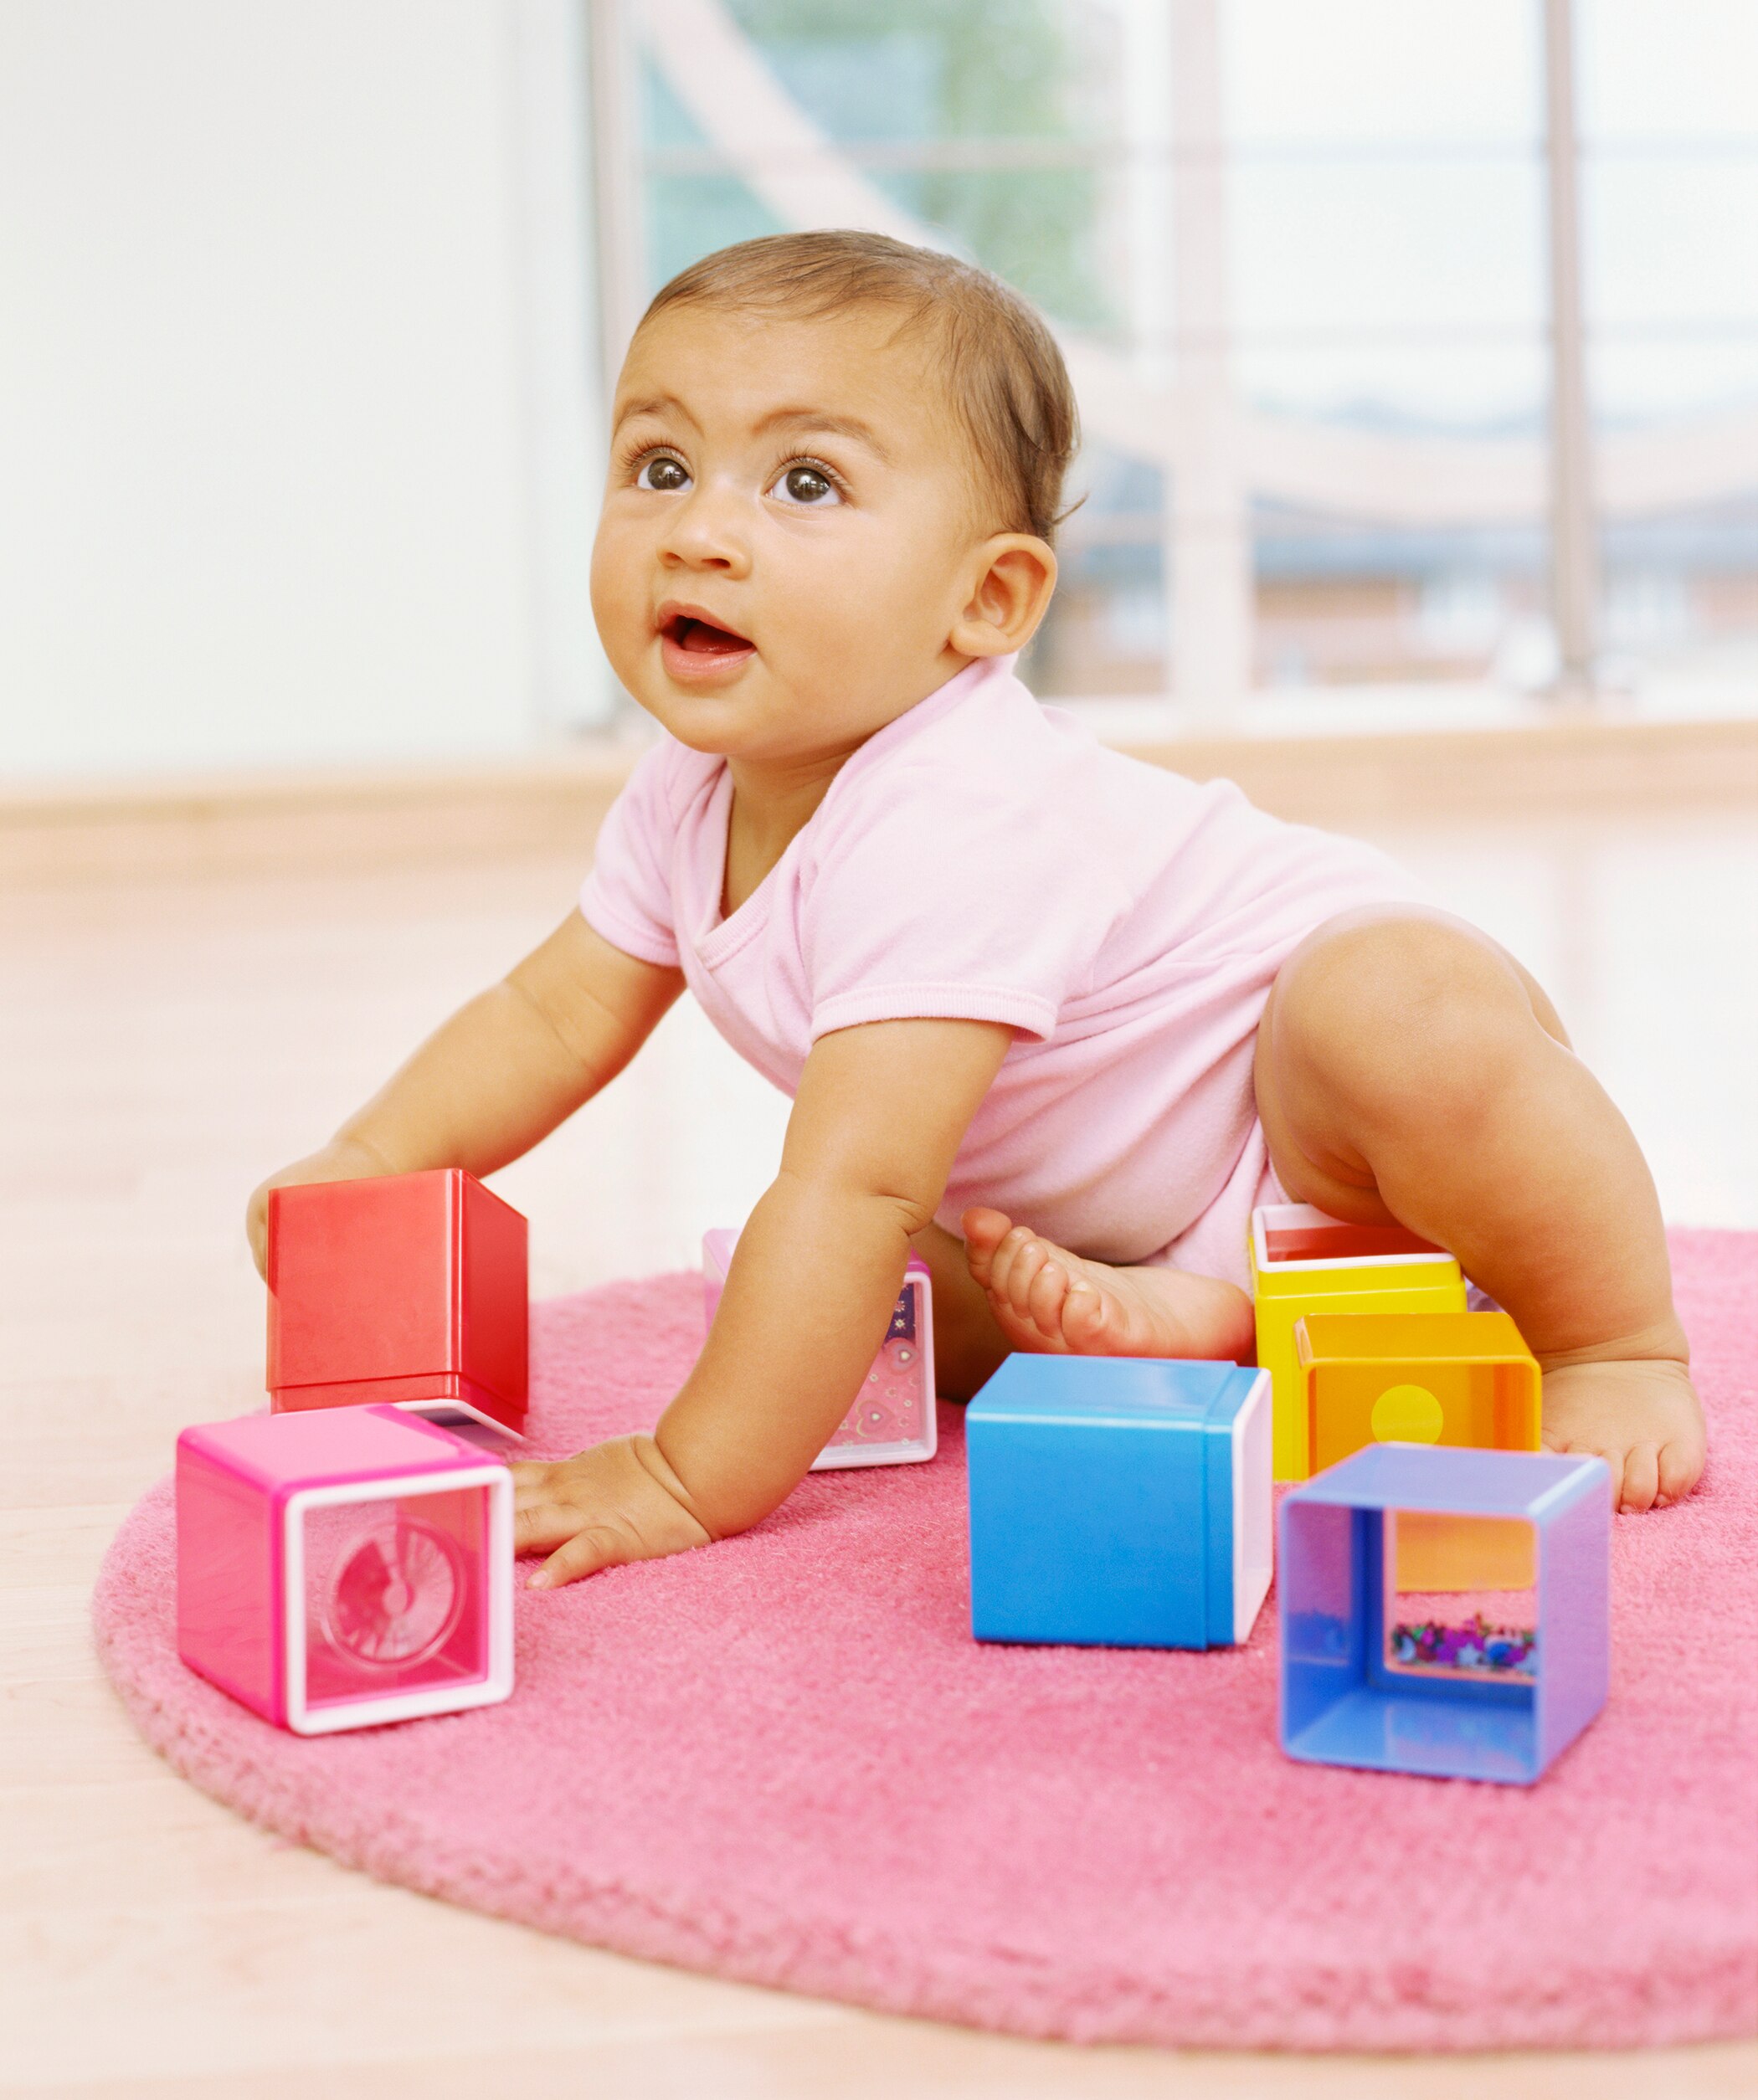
(706, 533)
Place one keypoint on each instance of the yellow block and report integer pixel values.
(1366, 1270)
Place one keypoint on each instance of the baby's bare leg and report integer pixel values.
(1408, 1069)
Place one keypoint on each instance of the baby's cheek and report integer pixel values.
(865, 618)
(619, 599)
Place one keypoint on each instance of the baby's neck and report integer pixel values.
(770, 808)
(774, 798)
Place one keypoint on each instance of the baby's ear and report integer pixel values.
(1015, 574)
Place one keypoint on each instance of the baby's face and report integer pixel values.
(788, 534)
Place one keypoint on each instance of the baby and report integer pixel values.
(1053, 1018)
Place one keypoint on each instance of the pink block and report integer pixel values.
(893, 1423)
(344, 1567)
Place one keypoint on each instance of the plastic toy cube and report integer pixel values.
(894, 1421)
(1436, 1377)
(1120, 1502)
(344, 1567)
(405, 1289)
(1303, 1262)
(1374, 1676)
(1427, 1377)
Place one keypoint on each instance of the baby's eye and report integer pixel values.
(662, 473)
(807, 487)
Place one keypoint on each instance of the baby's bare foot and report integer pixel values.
(1641, 1416)
(1052, 1302)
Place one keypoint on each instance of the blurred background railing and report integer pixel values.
(1416, 343)
(1319, 270)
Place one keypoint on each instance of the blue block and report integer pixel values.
(1119, 1501)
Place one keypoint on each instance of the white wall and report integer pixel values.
(296, 414)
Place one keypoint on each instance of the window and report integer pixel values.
(1670, 199)
(1298, 253)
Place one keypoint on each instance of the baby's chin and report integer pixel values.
(752, 714)
(729, 719)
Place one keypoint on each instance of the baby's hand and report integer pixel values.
(616, 1502)
(342, 1160)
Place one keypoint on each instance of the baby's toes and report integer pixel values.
(1681, 1468)
(1565, 1445)
(985, 1230)
(1642, 1478)
(1024, 1264)
(1044, 1300)
(1083, 1318)
(1004, 1263)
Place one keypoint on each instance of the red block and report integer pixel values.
(409, 1289)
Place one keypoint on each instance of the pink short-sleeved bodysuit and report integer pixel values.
(983, 858)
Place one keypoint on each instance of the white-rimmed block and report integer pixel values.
(894, 1421)
(344, 1567)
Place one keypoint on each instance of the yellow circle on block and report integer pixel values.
(1406, 1415)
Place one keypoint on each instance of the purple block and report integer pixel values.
(1470, 1701)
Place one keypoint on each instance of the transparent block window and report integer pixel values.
(1461, 1599)
(396, 1596)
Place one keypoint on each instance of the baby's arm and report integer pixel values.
(876, 1123)
(502, 1072)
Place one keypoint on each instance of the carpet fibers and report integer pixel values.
(784, 1759)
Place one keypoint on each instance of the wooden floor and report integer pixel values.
(162, 1043)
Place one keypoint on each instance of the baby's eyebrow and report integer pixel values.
(805, 419)
(794, 420)
(653, 405)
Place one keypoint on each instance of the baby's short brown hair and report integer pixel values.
(1004, 375)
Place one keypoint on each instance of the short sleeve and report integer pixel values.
(943, 896)
(627, 897)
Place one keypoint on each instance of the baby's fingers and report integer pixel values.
(540, 1526)
(585, 1554)
(531, 1479)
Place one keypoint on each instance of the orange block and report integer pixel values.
(1427, 1377)
(1433, 1551)
(1416, 1378)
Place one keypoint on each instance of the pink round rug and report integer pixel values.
(784, 1759)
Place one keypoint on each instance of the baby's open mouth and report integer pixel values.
(702, 638)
